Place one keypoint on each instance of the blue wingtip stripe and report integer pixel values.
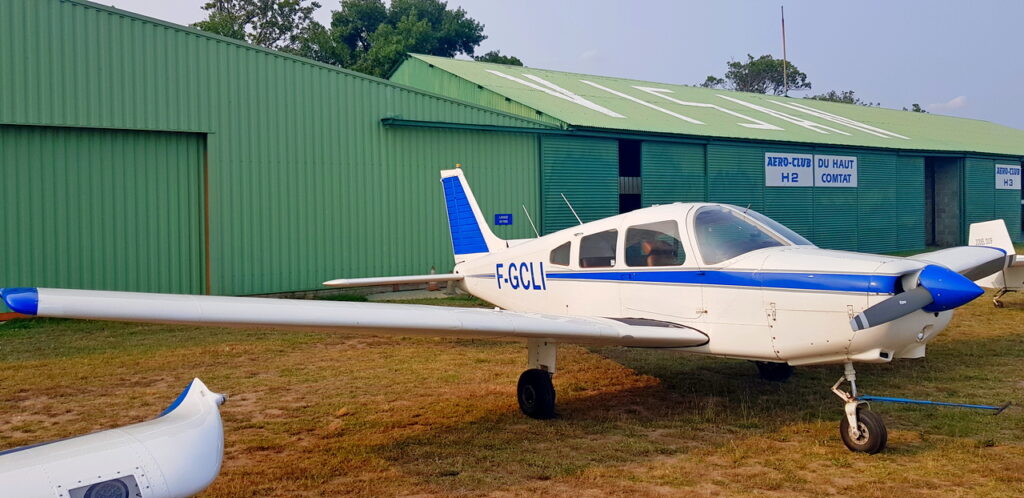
(178, 400)
(24, 300)
(467, 238)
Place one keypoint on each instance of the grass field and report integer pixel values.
(326, 414)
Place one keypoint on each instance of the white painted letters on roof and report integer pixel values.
(754, 123)
(643, 103)
(820, 128)
(557, 91)
(878, 132)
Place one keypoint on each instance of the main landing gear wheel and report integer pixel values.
(861, 429)
(774, 372)
(870, 436)
(536, 394)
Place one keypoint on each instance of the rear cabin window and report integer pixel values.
(654, 244)
(598, 250)
(560, 255)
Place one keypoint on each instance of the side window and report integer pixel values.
(654, 244)
(598, 250)
(560, 255)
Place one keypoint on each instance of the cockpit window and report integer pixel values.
(779, 228)
(560, 255)
(723, 233)
(598, 250)
(654, 244)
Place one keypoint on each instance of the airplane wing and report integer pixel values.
(348, 317)
(973, 262)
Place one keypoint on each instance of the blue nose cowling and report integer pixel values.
(24, 300)
(948, 288)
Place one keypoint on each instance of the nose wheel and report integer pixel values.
(862, 430)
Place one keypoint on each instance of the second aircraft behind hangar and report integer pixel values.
(702, 278)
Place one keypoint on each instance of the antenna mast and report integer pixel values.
(528, 218)
(570, 208)
(785, 77)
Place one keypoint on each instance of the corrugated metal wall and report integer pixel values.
(983, 202)
(586, 170)
(672, 172)
(305, 183)
(103, 209)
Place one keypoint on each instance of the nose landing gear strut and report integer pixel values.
(862, 430)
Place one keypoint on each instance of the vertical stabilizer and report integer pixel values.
(992, 234)
(471, 236)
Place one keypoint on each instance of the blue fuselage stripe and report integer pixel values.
(838, 282)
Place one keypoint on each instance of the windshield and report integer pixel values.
(723, 233)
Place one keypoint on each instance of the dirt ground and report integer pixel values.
(319, 414)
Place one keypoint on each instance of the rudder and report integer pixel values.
(471, 236)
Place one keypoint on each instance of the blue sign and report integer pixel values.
(503, 219)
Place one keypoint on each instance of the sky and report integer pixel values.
(953, 57)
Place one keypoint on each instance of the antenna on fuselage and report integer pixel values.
(528, 218)
(570, 208)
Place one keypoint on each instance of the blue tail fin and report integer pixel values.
(470, 234)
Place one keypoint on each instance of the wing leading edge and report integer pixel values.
(349, 317)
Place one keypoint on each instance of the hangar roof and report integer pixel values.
(588, 101)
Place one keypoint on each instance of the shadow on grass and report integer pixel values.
(706, 405)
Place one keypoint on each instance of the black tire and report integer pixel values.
(774, 372)
(873, 436)
(536, 394)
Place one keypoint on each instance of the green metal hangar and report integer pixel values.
(141, 155)
(845, 176)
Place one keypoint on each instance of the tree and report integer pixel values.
(276, 24)
(376, 37)
(761, 75)
(495, 57)
(844, 97)
(916, 108)
(365, 35)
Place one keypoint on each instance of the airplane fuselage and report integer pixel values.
(790, 303)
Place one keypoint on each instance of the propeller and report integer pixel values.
(936, 288)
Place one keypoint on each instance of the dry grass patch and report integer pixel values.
(326, 414)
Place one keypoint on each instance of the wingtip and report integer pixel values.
(24, 300)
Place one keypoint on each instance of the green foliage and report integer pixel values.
(915, 108)
(761, 75)
(843, 97)
(365, 35)
(494, 56)
(277, 24)
(371, 37)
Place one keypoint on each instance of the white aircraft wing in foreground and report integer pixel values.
(349, 317)
(174, 455)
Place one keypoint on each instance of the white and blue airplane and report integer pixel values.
(702, 278)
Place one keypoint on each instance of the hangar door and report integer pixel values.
(672, 172)
(586, 171)
(101, 209)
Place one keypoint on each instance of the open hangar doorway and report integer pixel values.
(943, 187)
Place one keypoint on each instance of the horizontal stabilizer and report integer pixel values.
(349, 317)
(404, 279)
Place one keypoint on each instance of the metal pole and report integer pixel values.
(785, 77)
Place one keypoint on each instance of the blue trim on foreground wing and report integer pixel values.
(178, 400)
(878, 284)
(24, 300)
(466, 235)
